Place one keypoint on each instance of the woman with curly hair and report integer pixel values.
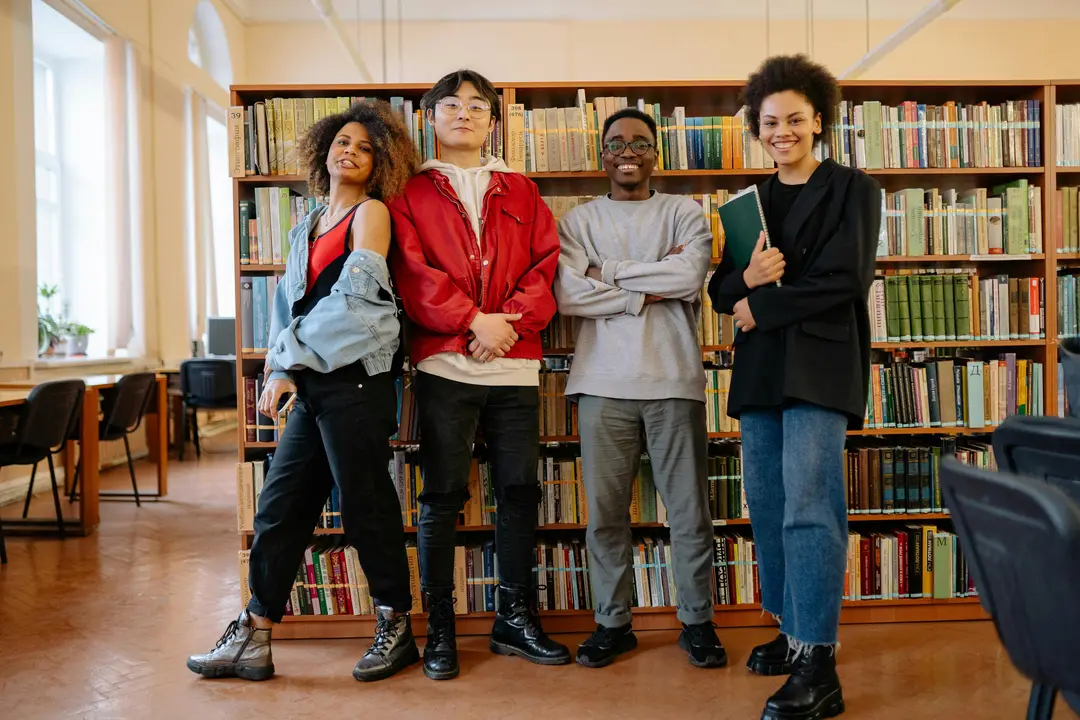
(335, 343)
(801, 374)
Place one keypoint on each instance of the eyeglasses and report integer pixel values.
(452, 106)
(616, 147)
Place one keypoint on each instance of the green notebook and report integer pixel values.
(743, 219)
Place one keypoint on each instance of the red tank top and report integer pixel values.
(327, 247)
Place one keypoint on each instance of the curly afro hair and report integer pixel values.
(792, 72)
(394, 157)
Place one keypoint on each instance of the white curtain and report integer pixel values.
(201, 235)
(121, 220)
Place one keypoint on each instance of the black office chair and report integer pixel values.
(1021, 540)
(1069, 355)
(1047, 448)
(47, 420)
(123, 406)
(205, 384)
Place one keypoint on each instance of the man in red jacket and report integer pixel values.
(474, 256)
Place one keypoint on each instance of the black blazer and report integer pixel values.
(812, 336)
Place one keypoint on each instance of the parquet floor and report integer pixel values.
(100, 627)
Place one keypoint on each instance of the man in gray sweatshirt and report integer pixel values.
(632, 268)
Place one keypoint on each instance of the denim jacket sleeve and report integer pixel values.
(280, 318)
(358, 320)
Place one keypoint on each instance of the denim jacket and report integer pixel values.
(358, 320)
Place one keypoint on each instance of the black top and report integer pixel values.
(322, 288)
(781, 199)
(812, 336)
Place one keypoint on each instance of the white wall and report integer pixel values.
(568, 50)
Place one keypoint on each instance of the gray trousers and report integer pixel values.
(677, 443)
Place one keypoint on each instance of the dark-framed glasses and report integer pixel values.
(452, 106)
(639, 147)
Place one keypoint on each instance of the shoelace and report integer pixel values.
(385, 634)
(602, 636)
(441, 614)
(231, 630)
(702, 634)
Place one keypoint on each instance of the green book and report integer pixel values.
(743, 220)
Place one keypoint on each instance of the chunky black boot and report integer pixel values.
(517, 630)
(771, 658)
(813, 690)
(440, 653)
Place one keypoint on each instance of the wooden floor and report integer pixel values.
(101, 626)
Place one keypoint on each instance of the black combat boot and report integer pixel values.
(771, 658)
(517, 630)
(440, 653)
(813, 690)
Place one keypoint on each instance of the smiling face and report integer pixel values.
(788, 127)
(462, 120)
(352, 156)
(626, 168)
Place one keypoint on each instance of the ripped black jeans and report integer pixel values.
(449, 413)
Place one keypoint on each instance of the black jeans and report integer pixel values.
(338, 433)
(449, 413)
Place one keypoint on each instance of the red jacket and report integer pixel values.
(443, 280)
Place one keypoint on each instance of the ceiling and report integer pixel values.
(562, 10)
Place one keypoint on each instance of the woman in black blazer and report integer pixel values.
(801, 375)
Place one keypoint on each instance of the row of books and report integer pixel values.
(943, 305)
(917, 561)
(264, 136)
(885, 480)
(866, 135)
(266, 221)
(905, 479)
(953, 392)
(1067, 135)
(567, 139)
(1004, 220)
(1067, 219)
(1068, 309)
(256, 306)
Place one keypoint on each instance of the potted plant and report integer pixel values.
(49, 328)
(78, 338)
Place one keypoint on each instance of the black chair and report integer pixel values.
(1069, 355)
(123, 407)
(47, 420)
(1021, 540)
(205, 384)
(1047, 448)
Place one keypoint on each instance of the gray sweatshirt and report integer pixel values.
(625, 349)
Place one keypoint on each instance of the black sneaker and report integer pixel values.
(392, 649)
(605, 644)
(771, 658)
(702, 645)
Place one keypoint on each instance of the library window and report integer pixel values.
(81, 145)
(222, 300)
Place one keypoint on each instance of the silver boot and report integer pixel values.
(393, 648)
(243, 652)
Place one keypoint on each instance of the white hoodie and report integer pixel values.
(469, 185)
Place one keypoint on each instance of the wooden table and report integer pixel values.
(14, 393)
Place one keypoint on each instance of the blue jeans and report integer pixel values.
(793, 473)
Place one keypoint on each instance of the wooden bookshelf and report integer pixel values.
(720, 98)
